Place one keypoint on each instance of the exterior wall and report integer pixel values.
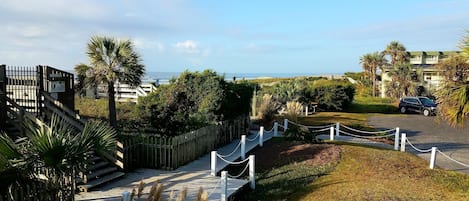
(427, 60)
(124, 92)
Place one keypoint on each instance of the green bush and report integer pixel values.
(194, 100)
(332, 94)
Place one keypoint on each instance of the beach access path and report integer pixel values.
(192, 176)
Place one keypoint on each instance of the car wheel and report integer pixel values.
(403, 110)
(426, 112)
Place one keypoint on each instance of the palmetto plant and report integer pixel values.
(57, 147)
(453, 97)
(111, 61)
(397, 52)
(370, 63)
(404, 80)
(453, 104)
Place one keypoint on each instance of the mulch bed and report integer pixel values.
(280, 152)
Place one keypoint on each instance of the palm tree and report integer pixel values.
(370, 63)
(404, 80)
(396, 51)
(453, 97)
(453, 103)
(112, 61)
(58, 147)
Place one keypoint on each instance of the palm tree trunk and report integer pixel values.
(374, 83)
(111, 104)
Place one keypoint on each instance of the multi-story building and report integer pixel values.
(426, 61)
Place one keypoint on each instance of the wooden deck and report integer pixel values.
(193, 176)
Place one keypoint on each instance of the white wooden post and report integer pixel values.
(396, 139)
(433, 158)
(285, 125)
(332, 134)
(337, 127)
(213, 163)
(261, 136)
(403, 142)
(252, 176)
(306, 112)
(126, 196)
(243, 147)
(275, 129)
(224, 186)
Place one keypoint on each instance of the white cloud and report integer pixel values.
(188, 46)
(55, 8)
(143, 43)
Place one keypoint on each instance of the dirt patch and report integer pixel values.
(276, 153)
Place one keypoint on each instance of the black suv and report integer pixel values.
(422, 105)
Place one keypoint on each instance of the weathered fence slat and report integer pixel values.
(155, 151)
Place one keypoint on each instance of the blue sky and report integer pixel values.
(311, 37)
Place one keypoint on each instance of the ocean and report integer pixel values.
(164, 77)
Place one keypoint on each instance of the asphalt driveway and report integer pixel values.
(426, 132)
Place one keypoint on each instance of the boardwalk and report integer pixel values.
(193, 176)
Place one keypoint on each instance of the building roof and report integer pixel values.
(429, 53)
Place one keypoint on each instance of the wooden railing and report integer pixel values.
(156, 151)
(64, 112)
(20, 114)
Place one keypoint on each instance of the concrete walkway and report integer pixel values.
(193, 176)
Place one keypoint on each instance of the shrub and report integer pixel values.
(194, 100)
(293, 109)
(267, 108)
(332, 94)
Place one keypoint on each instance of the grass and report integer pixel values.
(363, 173)
(369, 104)
(354, 120)
(376, 174)
(98, 108)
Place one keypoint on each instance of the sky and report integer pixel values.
(255, 36)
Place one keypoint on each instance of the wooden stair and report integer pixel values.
(99, 171)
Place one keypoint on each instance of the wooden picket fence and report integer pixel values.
(169, 153)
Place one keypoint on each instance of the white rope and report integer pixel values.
(233, 162)
(297, 124)
(240, 174)
(323, 126)
(368, 132)
(324, 129)
(269, 131)
(365, 137)
(454, 160)
(280, 126)
(214, 188)
(228, 155)
(417, 149)
(254, 138)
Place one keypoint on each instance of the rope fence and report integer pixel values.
(366, 137)
(241, 173)
(230, 154)
(321, 130)
(254, 138)
(368, 132)
(452, 159)
(417, 149)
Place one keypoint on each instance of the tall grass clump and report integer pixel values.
(267, 108)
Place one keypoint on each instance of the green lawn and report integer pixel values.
(375, 174)
(363, 173)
